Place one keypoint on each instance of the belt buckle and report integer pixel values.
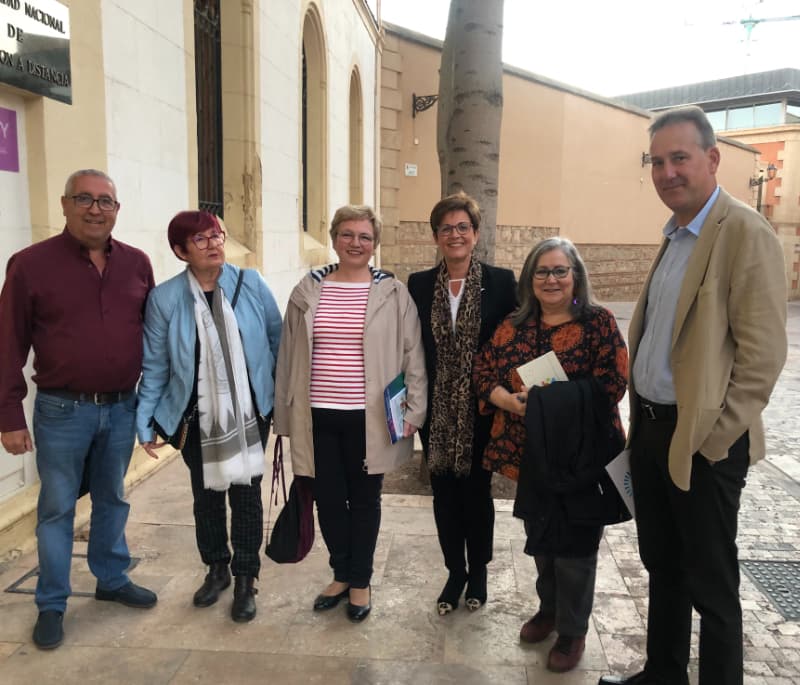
(97, 398)
(649, 411)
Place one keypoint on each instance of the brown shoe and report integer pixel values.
(566, 653)
(537, 629)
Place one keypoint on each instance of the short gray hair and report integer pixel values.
(75, 175)
(690, 114)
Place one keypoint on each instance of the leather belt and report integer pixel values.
(658, 412)
(91, 397)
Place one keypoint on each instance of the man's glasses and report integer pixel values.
(362, 237)
(202, 242)
(447, 229)
(104, 203)
(559, 272)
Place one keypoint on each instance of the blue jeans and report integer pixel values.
(67, 433)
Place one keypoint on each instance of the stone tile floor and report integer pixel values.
(404, 640)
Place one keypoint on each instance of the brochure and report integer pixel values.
(619, 470)
(541, 371)
(394, 399)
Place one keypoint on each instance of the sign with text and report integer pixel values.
(34, 47)
(9, 148)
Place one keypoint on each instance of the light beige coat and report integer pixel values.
(729, 341)
(392, 343)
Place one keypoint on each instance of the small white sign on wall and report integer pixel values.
(411, 169)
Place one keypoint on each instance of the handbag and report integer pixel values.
(292, 536)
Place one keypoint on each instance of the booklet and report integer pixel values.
(394, 400)
(619, 470)
(541, 371)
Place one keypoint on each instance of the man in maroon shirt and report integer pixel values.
(78, 300)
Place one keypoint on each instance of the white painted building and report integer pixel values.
(264, 112)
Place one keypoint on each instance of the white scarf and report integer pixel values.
(230, 443)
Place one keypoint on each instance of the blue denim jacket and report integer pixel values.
(168, 368)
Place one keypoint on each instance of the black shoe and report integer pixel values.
(475, 596)
(217, 579)
(638, 679)
(49, 630)
(356, 612)
(324, 602)
(131, 595)
(451, 593)
(244, 599)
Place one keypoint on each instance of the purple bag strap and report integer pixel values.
(278, 474)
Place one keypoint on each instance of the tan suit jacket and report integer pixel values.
(729, 341)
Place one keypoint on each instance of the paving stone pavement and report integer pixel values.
(404, 641)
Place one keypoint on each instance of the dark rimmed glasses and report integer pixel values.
(202, 242)
(104, 203)
(461, 228)
(559, 272)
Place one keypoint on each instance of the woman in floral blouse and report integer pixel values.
(556, 312)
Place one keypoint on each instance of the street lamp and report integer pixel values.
(759, 181)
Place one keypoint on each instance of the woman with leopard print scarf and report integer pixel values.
(460, 302)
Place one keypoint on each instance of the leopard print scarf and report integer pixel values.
(453, 405)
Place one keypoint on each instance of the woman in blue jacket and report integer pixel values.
(211, 338)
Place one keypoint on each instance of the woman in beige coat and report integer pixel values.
(349, 330)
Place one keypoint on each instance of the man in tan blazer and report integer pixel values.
(707, 343)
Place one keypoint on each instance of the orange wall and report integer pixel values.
(567, 159)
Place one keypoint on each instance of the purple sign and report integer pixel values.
(9, 152)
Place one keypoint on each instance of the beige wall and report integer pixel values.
(780, 146)
(570, 164)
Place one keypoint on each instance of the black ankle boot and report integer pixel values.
(451, 593)
(244, 599)
(217, 579)
(475, 596)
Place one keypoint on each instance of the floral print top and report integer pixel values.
(592, 346)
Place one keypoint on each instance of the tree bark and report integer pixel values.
(470, 109)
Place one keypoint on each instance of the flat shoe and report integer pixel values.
(49, 630)
(325, 602)
(356, 612)
(130, 594)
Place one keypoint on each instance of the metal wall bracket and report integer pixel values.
(422, 102)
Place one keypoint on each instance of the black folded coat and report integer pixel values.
(564, 493)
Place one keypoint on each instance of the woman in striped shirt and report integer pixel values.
(349, 330)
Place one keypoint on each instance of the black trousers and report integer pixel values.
(464, 512)
(210, 514)
(348, 498)
(687, 542)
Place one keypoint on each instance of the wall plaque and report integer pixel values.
(9, 148)
(34, 47)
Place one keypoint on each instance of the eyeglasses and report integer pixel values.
(104, 203)
(204, 241)
(559, 272)
(365, 238)
(447, 229)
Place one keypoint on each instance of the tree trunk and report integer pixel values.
(471, 108)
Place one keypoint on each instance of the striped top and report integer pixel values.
(337, 358)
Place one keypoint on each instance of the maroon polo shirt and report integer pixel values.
(85, 328)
